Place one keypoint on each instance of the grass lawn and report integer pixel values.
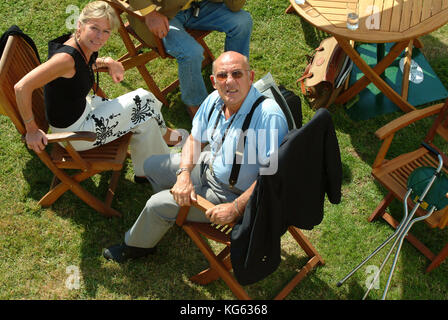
(43, 249)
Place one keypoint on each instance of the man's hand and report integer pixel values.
(222, 213)
(183, 191)
(157, 23)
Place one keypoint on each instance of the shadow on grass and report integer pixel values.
(366, 146)
(164, 275)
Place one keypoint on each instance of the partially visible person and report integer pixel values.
(169, 19)
(177, 178)
(68, 76)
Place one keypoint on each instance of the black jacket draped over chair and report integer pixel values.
(309, 166)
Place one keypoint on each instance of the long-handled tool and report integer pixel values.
(404, 226)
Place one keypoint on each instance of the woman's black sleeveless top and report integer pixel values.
(65, 98)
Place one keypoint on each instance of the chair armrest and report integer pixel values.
(387, 132)
(406, 120)
(71, 136)
(66, 137)
(203, 204)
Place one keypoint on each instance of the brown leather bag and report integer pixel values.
(318, 81)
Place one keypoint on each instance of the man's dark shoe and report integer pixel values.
(122, 252)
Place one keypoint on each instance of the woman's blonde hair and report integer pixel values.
(98, 10)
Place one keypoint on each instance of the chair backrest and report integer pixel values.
(123, 7)
(17, 60)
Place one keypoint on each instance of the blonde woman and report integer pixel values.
(67, 78)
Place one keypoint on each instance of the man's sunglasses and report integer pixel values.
(236, 74)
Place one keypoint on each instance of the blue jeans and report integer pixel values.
(189, 54)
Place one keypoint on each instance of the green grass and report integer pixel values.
(37, 245)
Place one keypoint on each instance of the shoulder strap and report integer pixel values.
(211, 111)
(239, 152)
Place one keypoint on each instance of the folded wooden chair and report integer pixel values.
(17, 60)
(136, 57)
(220, 264)
(393, 174)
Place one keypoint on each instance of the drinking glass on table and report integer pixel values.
(352, 15)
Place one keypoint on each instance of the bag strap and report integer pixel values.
(239, 152)
(211, 112)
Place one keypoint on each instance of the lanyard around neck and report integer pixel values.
(225, 132)
(89, 66)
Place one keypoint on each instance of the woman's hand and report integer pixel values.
(36, 140)
(183, 191)
(116, 70)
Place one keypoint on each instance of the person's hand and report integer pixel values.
(36, 140)
(183, 191)
(157, 23)
(116, 69)
(222, 213)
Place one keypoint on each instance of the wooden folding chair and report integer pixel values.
(17, 60)
(393, 174)
(220, 264)
(135, 57)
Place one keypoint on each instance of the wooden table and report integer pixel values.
(380, 21)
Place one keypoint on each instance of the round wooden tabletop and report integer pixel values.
(379, 20)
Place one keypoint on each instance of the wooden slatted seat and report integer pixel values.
(393, 174)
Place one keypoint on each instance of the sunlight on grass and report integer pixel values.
(38, 244)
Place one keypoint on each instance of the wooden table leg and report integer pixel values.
(290, 9)
(359, 85)
(373, 76)
(406, 70)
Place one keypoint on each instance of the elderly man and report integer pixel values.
(177, 178)
(168, 19)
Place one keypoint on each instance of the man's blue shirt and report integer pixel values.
(265, 133)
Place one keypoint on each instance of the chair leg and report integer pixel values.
(208, 57)
(152, 86)
(315, 259)
(305, 244)
(93, 202)
(380, 210)
(112, 186)
(438, 259)
(310, 265)
(72, 183)
(58, 188)
(54, 182)
(217, 265)
(290, 9)
(209, 275)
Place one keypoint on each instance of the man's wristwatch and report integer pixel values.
(180, 170)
